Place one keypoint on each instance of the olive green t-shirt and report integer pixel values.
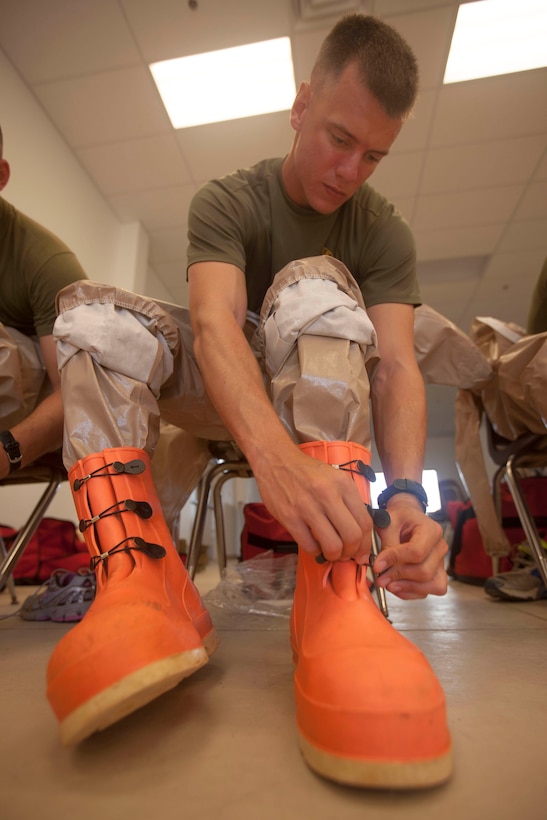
(34, 266)
(246, 219)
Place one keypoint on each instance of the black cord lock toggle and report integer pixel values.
(135, 467)
(142, 509)
(140, 545)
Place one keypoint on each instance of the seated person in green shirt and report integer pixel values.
(34, 266)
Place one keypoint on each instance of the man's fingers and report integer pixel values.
(410, 590)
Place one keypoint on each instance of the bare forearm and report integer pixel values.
(235, 385)
(400, 419)
(319, 506)
(39, 433)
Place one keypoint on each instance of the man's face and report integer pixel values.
(342, 133)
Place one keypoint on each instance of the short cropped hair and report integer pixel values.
(387, 65)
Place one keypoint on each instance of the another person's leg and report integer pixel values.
(147, 628)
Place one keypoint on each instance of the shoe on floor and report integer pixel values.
(65, 597)
(522, 583)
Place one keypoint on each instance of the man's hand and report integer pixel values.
(411, 563)
(320, 506)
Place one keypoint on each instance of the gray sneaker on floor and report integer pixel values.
(522, 583)
(65, 597)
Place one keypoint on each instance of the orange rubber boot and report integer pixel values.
(370, 711)
(147, 628)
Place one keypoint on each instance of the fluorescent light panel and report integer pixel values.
(493, 37)
(226, 85)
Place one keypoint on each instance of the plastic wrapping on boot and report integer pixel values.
(263, 585)
(319, 349)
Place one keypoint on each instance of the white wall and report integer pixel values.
(49, 185)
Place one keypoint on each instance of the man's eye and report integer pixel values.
(338, 140)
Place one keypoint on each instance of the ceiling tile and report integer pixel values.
(415, 132)
(217, 149)
(105, 107)
(306, 45)
(173, 276)
(161, 208)
(541, 171)
(398, 175)
(512, 105)
(167, 245)
(481, 165)
(466, 208)
(55, 39)
(526, 235)
(170, 28)
(136, 165)
(429, 34)
(522, 266)
(448, 242)
(534, 202)
(383, 8)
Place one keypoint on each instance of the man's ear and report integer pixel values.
(300, 106)
(4, 173)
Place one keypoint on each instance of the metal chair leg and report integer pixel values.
(216, 469)
(196, 536)
(10, 583)
(219, 518)
(21, 542)
(380, 592)
(525, 517)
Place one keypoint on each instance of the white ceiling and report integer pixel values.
(469, 171)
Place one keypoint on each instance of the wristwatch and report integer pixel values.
(13, 451)
(403, 485)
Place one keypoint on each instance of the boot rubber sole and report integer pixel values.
(211, 642)
(130, 694)
(377, 774)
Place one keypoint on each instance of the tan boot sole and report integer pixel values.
(377, 774)
(211, 642)
(130, 693)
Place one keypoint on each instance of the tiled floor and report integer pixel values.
(223, 744)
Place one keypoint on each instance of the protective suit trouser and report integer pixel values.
(127, 361)
(23, 379)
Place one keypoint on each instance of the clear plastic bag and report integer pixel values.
(263, 585)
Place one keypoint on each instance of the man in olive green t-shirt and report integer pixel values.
(34, 266)
(148, 629)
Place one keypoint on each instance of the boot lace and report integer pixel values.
(360, 574)
(380, 518)
(135, 467)
(142, 509)
(139, 545)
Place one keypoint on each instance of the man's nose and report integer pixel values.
(350, 169)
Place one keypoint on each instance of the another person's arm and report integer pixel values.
(42, 431)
